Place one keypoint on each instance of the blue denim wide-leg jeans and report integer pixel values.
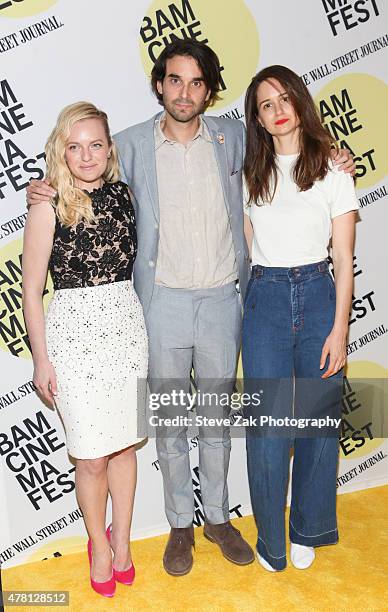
(288, 314)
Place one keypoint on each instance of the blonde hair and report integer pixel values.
(71, 203)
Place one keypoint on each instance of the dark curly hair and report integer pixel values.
(205, 57)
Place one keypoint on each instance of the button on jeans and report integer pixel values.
(288, 314)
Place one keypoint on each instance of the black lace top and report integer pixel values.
(99, 252)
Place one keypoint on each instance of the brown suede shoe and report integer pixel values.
(178, 558)
(232, 544)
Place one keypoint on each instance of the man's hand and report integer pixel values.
(39, 191)
(343, 159)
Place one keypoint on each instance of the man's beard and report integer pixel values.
(186, 115)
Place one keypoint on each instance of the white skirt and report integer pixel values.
(97, 343)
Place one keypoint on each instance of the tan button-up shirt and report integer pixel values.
(195, 245)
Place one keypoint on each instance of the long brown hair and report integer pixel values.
(260, 166)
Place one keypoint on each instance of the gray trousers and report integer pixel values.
(198, 328)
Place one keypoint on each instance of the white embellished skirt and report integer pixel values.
(97, 343)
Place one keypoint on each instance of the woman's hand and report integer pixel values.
(45, 381)
(335, 349)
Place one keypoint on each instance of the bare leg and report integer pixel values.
(92, 491)
(122, 472)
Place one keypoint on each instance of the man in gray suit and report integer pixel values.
(185, 173)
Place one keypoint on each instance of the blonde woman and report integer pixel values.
(92, 349)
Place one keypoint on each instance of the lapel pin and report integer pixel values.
(220, 138)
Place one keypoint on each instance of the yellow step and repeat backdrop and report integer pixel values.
(54, 52)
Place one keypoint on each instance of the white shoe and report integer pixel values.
(265, 563)
(302, 556)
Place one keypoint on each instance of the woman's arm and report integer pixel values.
(248, 231)
(343, 244)
(38, 242)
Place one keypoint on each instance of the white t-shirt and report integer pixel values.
(295, 228)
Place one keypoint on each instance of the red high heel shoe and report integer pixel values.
(124, 576)
(107, 588)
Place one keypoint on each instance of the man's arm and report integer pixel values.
(123, 176)
(344, 160)
(39, 191)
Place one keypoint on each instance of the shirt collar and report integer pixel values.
(160, 138)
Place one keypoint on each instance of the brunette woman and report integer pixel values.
(295, 318)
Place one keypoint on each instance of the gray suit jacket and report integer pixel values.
(136, 147)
